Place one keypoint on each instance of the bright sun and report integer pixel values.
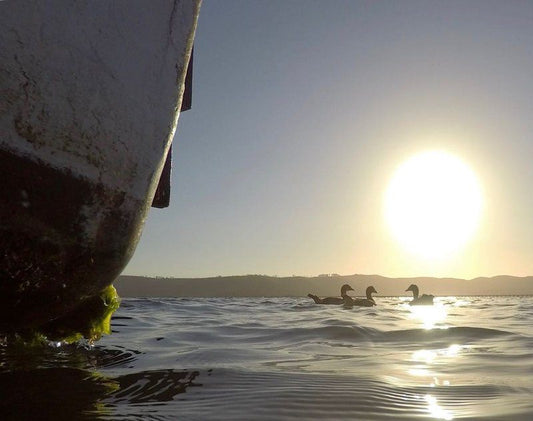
(433, 204)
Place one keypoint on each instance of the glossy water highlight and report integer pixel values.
(285, 358)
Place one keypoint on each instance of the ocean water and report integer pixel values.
(468, 358)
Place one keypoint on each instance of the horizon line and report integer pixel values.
(330, 275)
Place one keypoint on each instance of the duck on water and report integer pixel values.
(365, 302)
(421, 300)
(333, 300)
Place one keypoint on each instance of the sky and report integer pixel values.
(304, 110)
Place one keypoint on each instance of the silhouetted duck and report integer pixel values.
(423, 300)
(365, 302)
(333, 300)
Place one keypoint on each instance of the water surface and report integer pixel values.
(465, 358)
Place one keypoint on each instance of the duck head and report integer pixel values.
(369, 291)
(345, 288)
(414, 289)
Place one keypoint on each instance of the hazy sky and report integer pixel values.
(303, 110)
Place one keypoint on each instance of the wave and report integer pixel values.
(461, 334)
(232, 394)
(229, 394)
(359, 334)
(232, 359)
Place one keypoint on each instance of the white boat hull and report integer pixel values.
(91, 94)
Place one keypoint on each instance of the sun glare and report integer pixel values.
(433, 204)
(429, 316)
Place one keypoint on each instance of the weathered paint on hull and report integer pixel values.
(91, 93)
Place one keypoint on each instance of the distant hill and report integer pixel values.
(297, 286)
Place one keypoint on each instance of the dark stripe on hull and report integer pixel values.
(48, 261)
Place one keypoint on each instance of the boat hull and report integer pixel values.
(91, 98)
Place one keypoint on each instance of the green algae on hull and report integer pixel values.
(90, 320)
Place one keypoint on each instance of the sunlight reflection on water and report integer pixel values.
(435, 410)
(429, 316)
(426, 359)
(180, 356)
(424, 355)
(428, 356)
